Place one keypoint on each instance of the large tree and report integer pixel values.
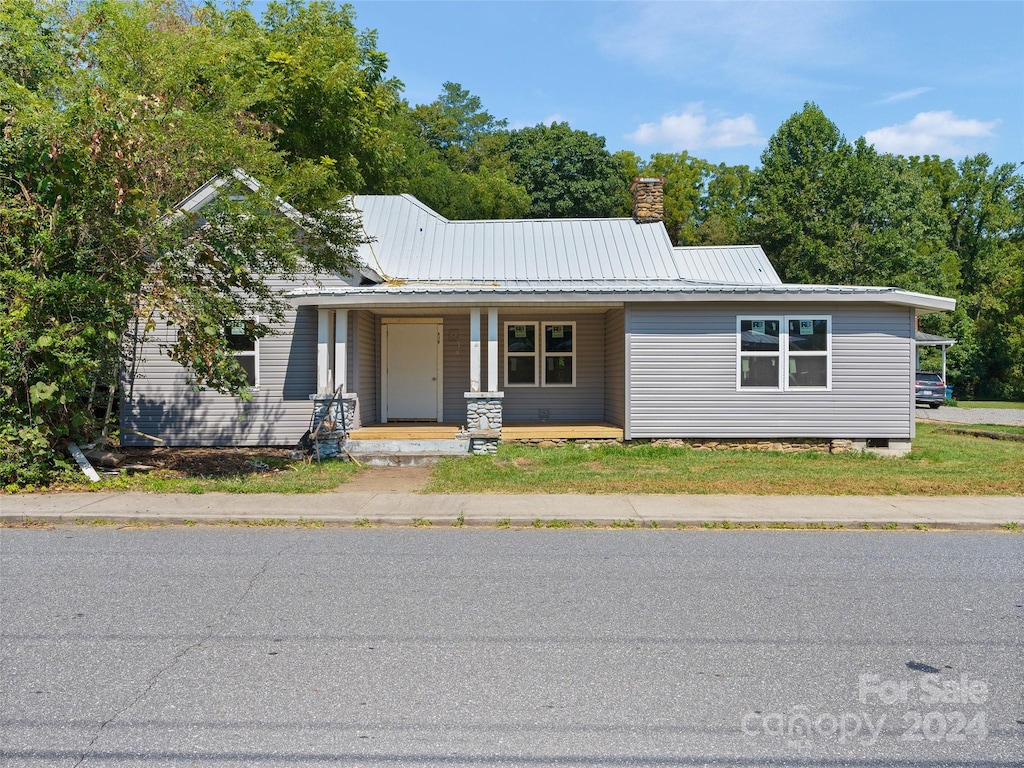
(455, 159)
(317, 81)
(113, 111)
(984, 206)
(567, 173)
(828, 211)
(705, 204)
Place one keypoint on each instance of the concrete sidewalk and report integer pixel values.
(346, 508)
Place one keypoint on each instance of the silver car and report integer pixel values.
(929, 389)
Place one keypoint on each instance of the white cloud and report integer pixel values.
(932, 133)
(692, 130)
(739, 44)
(910, 93)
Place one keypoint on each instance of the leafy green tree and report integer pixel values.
(724, 211)
(114, 111)
(317, 84)
(458, 127)
(828, 211)
(455, 159)
(567, 173)
(684, 187)
(705, 204)
(984, 206)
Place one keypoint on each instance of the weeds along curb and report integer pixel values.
(99, 521)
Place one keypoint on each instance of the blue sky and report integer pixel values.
(718, 78)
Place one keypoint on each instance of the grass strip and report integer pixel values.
(941, 464)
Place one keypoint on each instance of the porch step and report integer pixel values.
(405, 453)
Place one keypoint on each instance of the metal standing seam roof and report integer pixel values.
(421, 254)
(746, 264)
(413, 243)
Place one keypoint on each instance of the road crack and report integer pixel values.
(181, 654)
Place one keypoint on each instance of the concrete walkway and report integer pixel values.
(346, 508)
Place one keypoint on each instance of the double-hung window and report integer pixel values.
(521, 354)
(540, 354)
(246, 350)
(791, 352)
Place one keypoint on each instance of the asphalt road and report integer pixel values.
(241, 647)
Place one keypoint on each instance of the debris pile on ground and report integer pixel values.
(103, 457)
(207, 462)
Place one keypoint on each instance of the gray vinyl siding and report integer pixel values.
(582, 403)
(364, 357)
(164, 404)
(682, 375)
(615, 367)
(455, 377)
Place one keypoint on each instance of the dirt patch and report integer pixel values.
(209, 462)
(387, 480)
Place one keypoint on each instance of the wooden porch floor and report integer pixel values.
(399, 430)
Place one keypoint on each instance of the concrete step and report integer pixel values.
(405, 453)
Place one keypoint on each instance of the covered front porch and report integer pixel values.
(514, 372)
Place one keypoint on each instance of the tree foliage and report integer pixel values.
(114, 111)
(833, 212)
(455, 159)
(567, 173)
(705, 204)
(984, 208)
(318, 83)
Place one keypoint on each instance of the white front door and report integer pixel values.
(412, 386)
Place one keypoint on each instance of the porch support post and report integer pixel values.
(323, 351)
(341, 350)
(474, 349)
(492, 349)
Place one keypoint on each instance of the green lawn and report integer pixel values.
(941, 464)
(282, 477)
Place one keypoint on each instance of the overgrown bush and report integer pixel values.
(27, 459)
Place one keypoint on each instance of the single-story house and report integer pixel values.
(506, 326)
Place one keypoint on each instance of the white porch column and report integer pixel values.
(492, 349)
(323, 352)
(474, 349)
(341, 350)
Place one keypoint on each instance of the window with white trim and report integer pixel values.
(540, 354)
(791, 352)
(246, 350)
(521, 354)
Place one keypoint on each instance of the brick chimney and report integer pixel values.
(648, 199)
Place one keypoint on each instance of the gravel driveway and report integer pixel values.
(1010, 416)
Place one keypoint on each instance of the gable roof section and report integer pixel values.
(413, 243)
(725, 265)
(212, 189)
